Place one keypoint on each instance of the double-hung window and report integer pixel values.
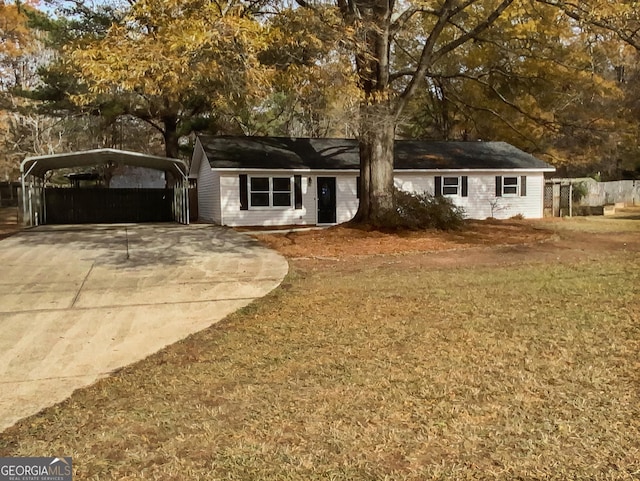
(260, 191)
(511, 186)
(451, 186)
(281, 191)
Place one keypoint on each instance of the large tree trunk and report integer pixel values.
(372, 21)
(170, 134)
(376, 164)
(373, 26)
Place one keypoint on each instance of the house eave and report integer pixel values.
(294, 170)
(349, 171)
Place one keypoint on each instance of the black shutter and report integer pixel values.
(297, 191)
(523, 186)
(498, 186)
(438, 191)
(465, 186)
(244, 192)
(358, 187)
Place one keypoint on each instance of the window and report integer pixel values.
(270, 191)
(259, 191)
(451, 186)
(281, 192)
(511, 186)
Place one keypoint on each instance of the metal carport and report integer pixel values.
(34, 169)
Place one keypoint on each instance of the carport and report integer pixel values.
(34, 169)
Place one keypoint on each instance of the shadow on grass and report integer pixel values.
(626, 217)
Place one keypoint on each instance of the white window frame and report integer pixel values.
(458, 186)
(270, 192)
(505, 186)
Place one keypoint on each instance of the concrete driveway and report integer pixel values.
(77, 302)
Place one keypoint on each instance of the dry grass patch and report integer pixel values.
(370, 371)
(625, 220)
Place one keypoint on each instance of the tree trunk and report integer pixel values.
(376, 164)
(170, 134)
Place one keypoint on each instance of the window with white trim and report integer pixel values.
(450, 185)
(510, 186)
(270, 191)
(260, 191)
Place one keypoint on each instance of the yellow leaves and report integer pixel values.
(20, 47)
(174, 50)
(16, 39)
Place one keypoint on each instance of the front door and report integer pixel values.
(326, 200)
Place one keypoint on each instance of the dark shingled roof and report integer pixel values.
(339, 154)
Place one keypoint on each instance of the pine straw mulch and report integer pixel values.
(353, 240)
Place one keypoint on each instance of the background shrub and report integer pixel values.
(579, 191)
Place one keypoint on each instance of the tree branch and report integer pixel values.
(481, 27)
(580, 14)
(406, 16)
(498, 116)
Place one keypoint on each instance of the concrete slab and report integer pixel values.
(78, 302)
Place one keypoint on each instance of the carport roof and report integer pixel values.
(38, 166)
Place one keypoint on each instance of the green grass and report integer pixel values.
(372, 371)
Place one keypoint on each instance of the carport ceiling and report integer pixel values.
(38, 166)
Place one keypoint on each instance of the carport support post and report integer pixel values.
(33, 221)
(24, 202)
(26, 197)
(185, 196)
(43, 207)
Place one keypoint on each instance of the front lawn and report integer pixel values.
(400, 366)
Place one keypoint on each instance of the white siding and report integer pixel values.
(483, 188)
(216, 204)
(346, 201)
(265, 216)
(225, 186)
(208, 191)
(346, 197)
(418, 183)
(481, 201)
